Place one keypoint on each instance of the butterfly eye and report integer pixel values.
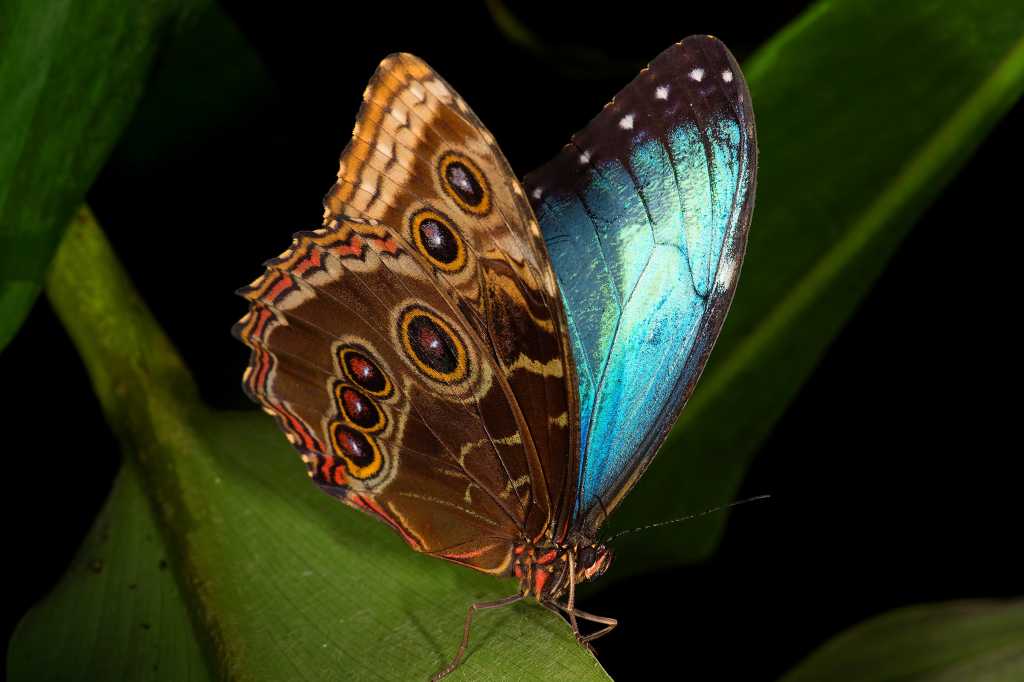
(586, 557)
(359, 409)
(361, 370)
(433, 345)
(465, 183)
(437, 239)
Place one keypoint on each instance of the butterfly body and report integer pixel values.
(545, 571)
(488, 368)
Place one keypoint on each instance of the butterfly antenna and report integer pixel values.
(690, 517)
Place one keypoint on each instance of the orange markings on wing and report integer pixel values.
(310, 262)
(331, 472)
(371, 505)
(353, 247)
(309, 441)
(326, 467)
(389, 245)
(259, 324)
(266, 362)
(465, 555)
(280, 286)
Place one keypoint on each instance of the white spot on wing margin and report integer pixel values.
(726, 272)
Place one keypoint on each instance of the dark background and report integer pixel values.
(895, 473)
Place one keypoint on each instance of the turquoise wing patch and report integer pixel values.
(645, 214)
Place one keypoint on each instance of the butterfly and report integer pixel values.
(489, 366)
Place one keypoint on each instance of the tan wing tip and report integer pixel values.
(410, 62)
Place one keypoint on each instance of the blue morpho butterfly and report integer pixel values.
(419, 352)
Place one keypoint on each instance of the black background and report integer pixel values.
(895, 473)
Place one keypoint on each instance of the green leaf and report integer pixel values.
(283, 581)
(966, 640)
(574, 60)
(71, 72)
(118, 614)
(209, 79)
(865, 109)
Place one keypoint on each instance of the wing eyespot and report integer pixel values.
(361, 454)
(361, 369)
(436, 237)
(358, 409)
(465, 183)
(432, 345)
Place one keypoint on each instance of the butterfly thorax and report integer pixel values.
(545, 571)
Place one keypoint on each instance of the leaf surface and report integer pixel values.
(977, 640)
(282, 581)
(71, 74)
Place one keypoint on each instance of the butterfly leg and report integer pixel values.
(609, 624)
(571, 610)
(473, 608)
(573, 613)
(559, 609)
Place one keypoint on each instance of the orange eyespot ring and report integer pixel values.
(359, 452)
(465, 183)
(359, 367)
(432, 345)
(358, 409)
(437, 239)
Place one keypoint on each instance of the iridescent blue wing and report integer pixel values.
(645, 213)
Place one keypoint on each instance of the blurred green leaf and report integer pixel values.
(982, 641)
(284, 582)
(574, 60)
(71, 73)
(209, 79)
(865, 109)
(118, 614)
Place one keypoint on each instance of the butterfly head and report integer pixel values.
(592, 561)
